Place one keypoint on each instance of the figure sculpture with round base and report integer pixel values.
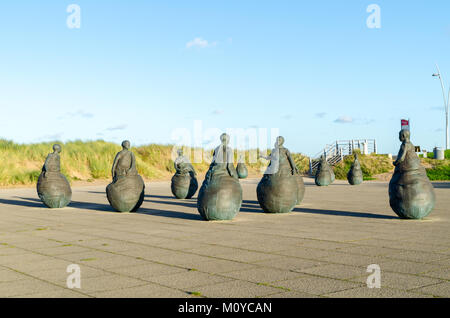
(355, 174)
(324, 174)
(411, 194)
(52, 187)
(184, 182)
(220, 196)
(280, 189)
(126, 192)
(241, 169)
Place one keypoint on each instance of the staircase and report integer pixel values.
(335, 152)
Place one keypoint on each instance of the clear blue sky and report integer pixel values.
(313, 69)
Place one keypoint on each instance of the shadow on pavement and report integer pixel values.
(441, 185)
(170, 214)
(345, 213)
(91, 206)
(29, 203)
(180, 203)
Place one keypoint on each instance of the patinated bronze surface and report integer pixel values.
(301, 188)
(241, 169)
(279, 189)
(355, 174)
(126, 192)
(411, 194)
(324, 173)
(184, 182)
(220, 196)
(333, 176)
(52, 186)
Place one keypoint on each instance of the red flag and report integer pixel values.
(405, 124)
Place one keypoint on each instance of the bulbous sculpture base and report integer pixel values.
(220, 198)
(411, 194)
(301, 189)
(278, 193)
(241, 170)
(355, 176)
(126, 194)
(323, 178)
(54, 190)
(183, 186)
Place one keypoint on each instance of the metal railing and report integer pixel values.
(335, 152)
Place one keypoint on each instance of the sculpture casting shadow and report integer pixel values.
(345, 213)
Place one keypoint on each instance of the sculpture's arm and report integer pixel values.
(113, 169)
(191, 167)
(133, 163)
(44, 167)
(269, 157)
(401, 155)
(291, 162)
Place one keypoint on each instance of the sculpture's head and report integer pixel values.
(225, 139)
(126, 144)
(404, 135)
(57, 148)
(279, 142)
(180, 152)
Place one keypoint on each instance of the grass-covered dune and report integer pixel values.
(91, 160)
(371, 165)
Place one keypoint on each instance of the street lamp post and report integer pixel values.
(446, 104)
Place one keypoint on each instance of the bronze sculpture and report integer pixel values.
(52, 187)
(324, 173)
(220, 196)
(280, 189)
(355, 174)
(241, 169)
(126, 192)
(184, 182)
(411, 194)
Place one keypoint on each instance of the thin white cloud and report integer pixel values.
(217, 112)
(351, 120)
(78, 113)
(51, 137)
(199, 43)
(118, 127)
(344, 120)
(321, 115)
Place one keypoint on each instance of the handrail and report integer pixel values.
(334, 152)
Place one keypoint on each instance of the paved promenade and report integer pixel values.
(322, 249)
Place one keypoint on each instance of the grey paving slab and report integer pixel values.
(317, 285)
(364, 292)
(437, 290)
(322, 248)
(144, 291)
(237, 289)
(401, 281)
